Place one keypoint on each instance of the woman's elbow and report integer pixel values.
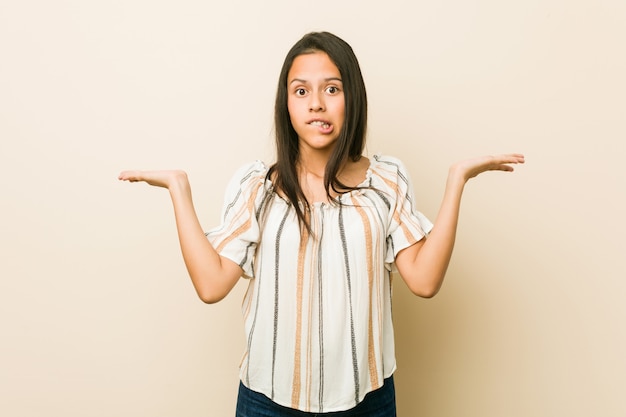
(423, 290)
(213, 288)
(210, 296)
(426, 293)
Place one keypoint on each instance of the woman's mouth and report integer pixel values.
(322, 126)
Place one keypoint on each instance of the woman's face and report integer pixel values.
(315, 100)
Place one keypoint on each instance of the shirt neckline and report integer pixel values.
(319, 204)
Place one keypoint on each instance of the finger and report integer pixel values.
(506, 168)
(503, 160)
(515, 158)
(131, 176)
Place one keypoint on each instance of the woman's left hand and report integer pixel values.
(470, 168)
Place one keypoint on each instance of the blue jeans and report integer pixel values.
(379, 403)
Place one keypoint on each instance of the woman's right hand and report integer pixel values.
(166, 179)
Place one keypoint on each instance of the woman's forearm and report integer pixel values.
(433, 258)
(423, 266)
(212, 276)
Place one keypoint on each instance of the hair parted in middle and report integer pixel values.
(351, 140)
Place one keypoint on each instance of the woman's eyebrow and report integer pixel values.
(297, 80)
(301, 81)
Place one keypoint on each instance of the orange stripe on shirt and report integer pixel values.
(297, 383)
(371, 351)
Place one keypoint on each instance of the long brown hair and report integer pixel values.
(351, 140)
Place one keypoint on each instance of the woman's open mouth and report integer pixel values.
(322, 126)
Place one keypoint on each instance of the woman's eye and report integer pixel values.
(332, 90)
(300, 91)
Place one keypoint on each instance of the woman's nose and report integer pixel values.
(317, 102)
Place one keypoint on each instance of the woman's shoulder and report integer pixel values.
(387, 166)
(386, 160)
(251, 169)
(249, 176)
(389, 175)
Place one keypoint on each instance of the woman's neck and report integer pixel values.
(312, 163)
(311, 172)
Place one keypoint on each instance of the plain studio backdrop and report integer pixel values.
(97, 314)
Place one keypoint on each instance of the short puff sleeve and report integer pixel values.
(237, 237)
(406, 225)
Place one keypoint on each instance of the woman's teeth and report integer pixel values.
(320, 123)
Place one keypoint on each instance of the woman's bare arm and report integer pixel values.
(423, 265)
(213, 276)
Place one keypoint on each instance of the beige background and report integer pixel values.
(97, 315)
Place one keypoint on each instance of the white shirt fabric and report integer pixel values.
(317, 311)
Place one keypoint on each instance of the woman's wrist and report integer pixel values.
(179, 183)
(457, 175)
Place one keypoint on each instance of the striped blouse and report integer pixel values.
(317, 310)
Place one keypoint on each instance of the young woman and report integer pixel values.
(317, 234)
